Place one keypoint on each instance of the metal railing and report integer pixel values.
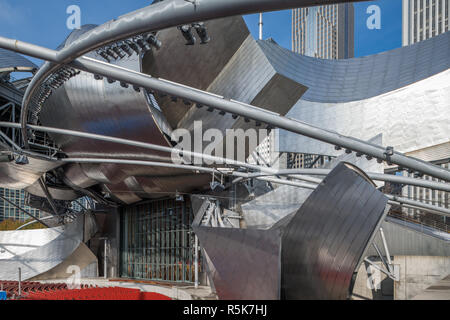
(421, 220)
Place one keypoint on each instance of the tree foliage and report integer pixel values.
(12, 224)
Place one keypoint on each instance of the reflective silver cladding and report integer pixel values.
(310, 254)
(324, 241)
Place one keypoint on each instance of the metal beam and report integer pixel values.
(9, 104)
(380, 255)
(48, 196)
(248, 111)
(20, 151)
(386, 251)
(262, 170)
(186, 167)
(386, 272)
(419, 205)
(392, 199)
(31, 222)
(24, 211)
(144, 145)
(293, 173)
(156, 17)
(251, 112)
(11, 94)
(289, 183)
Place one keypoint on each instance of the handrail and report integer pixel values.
(441, 226)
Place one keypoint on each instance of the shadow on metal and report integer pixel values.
(311, 254)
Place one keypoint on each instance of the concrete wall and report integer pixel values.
(417, 273)
(371, 284)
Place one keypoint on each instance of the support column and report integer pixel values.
(196, 261)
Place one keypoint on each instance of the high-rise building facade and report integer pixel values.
(423, 19)
(325, 32)
(8, 211)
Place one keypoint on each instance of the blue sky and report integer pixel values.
(44, 22)
(278, 25)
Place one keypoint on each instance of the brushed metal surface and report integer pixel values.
(16, 176)
(37, 251)
(97, 106)
(245, 262)
(267, 209)
(346, 80)
(324, 241)
(361, 97)
(256, 72)
(183, 64)
(57, 193)
(82, 257)
(249, 78)
(309, 254)
(9, 59)
(233, 62)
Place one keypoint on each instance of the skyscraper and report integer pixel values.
(423, 19)
(325, 32)
(8, 211)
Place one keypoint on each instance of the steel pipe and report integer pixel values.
(185, 167)
(244, 110)
(293, 173)
(20, 151)
(32, 222)
(248, 111)
(262, 170)
(24, 211)
(419, 205)
(144, 145)
(392, 199)
(28, 49)
(48, 196)
(158, 16)
(386, 250)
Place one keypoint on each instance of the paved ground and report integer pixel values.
(438, 291)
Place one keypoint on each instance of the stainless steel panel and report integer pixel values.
(249, 78)
(325, 239)
(183, 64)
(345, 80)
(81, 257)
(385, 93)
(57, 193)
(37, 251)
(97, 106)
(9, 59)
(310, 254)
(15, 176)
(245, 262)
